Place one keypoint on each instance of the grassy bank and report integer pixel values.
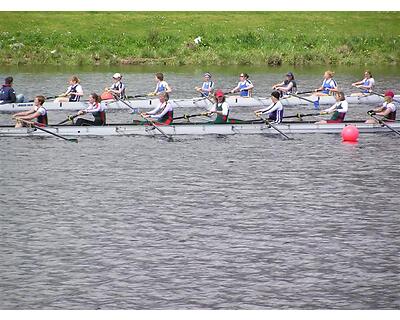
(272, 38)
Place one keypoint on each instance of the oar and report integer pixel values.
(47, 98)
(315, 103)
(382, 122)
(271, 125)
(138, 96)
(301, 115)
(380, 95)
(70, 118)
(305, 92)
(187, 116)
(49, 132)
(169, 137)
(125, 103)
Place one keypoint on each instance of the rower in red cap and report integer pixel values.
(220, 108)
(387, 110)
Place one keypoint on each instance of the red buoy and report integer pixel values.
(350, 133)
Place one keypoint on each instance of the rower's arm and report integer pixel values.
(384, 112)
(30, 116)
(235, 89)
(158, 116)
(154, 111)
(24, 113)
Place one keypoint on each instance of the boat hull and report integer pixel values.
(192, 129)
(233, 102)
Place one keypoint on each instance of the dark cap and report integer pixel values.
(290, 74)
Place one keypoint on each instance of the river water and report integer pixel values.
(239, 222)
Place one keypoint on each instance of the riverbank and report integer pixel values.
(168, 38)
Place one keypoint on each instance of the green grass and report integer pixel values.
(252, 38)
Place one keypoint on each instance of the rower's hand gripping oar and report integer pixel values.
(69, 118)
(372, 113)
(31, 124)
(273, 126)
(169, 137)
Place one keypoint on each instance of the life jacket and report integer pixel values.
(168, 117)
(42, 119)
(277, 115)
(119, 86)
(328, 84)
(161, 86)
(220, 118)
(74, 98)
(293, 89)
(338, 116)
(242, 85)
(7, 93)
(392, 115)
(205, 87)
(99, 117)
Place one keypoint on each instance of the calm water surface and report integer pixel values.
(240, 222)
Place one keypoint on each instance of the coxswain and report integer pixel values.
(74, 91)
(38, 112)
(274, 110)
(97, 109)
(163, 113)
(220, 108)
(339, 109)
(117, 89)
(208, 86)
(366, 85)
(387, 110)
(286, 87)
(244, 86)
(7, 92)
(329, 85)
(162, 85)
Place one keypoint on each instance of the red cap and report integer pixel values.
(389, 93)
(219, 93)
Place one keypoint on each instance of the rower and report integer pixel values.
(74, 91)
(274, 110)
(117, 88)
(96, 109)
(339, 109)
(220, 108)
(162, 85)
(164, 113)
(367, 84)
(244, 86)
(7, 92)
(387, 110)
(208, 86)
(328, 86)
(286, 87)
(38, 112)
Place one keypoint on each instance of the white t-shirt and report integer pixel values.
(225, 108)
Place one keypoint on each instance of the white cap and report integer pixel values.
(117, 75)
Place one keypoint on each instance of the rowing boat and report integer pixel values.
(233, 101)
(194, 129)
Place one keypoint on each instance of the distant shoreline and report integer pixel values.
(223, 38)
